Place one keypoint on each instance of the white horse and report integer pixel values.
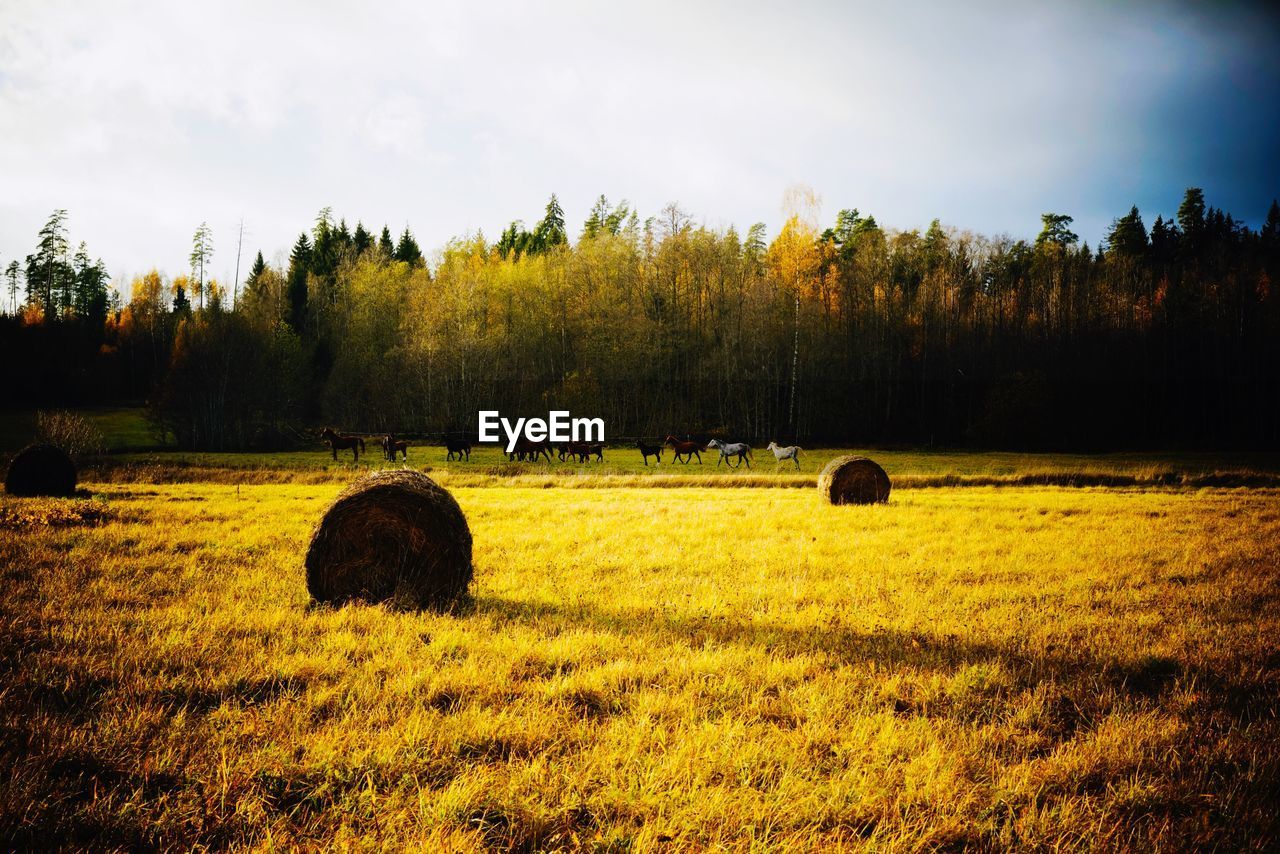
(791, 452)
(741, 450)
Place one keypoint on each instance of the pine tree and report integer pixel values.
(89, 299)
(361, 240)
(259, 267)
(550, 232)
(12, 272)
(613, 223)
(1271, 228)
(407, 250)
(514, 241)
(48, 274)
(324, 246)
(201, 253)
(181, 305)
(299, 265)
(595, 223)
(1128, 234)
(385, 246)
(754, 247)
(1191, 215)
(1055, 230)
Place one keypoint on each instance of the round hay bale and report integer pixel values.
(41, 469)
(854, 480)
(394, 534)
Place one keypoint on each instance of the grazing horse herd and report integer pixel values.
(684, 450)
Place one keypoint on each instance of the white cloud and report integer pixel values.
(146, 118)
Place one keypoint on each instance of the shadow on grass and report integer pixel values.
(1135, 674)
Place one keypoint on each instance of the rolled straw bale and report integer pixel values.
(854, 480)
(394, 534)
(41, 469)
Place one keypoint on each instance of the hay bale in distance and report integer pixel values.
(854, 480)
(41, 469)
(394, 534)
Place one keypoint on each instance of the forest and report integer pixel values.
(826, 333)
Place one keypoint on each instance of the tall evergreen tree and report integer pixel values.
(1055, 230)
(299, 266)
(324, 246)
(201, 254)
(550, 232)
(361, 240)
(48, 273)
(595, 224)
(181, 305)
(514, 241)
(12, 273)
(1128, 234)
(385, 245)
(1271, 228)
(259, 267)
(407, 250)
(89, 298)
(1191, 214)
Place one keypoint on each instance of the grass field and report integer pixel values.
(122, 429)
(134, 457)
(681, 668)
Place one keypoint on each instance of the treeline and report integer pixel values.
(853, 333)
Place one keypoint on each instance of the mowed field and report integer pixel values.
(676, 669)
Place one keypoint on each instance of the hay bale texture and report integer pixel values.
(854, 480)
(41, 469)
(393, 534)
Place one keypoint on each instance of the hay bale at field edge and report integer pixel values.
(41, 470)
(394, 534)
(854, 480)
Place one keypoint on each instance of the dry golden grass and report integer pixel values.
(640, 668)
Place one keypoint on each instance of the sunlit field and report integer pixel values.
(683, 667)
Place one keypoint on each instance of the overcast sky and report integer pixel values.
(144, 119)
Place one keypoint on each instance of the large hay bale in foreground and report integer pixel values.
(41, 469)
(393, 534)
(854, 480)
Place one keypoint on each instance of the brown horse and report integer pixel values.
(392, 446)
(688, 450)
(527, 449)
(582, 451)
(339, 442)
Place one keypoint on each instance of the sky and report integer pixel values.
(144, 119)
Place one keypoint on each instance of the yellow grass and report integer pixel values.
(683, 667)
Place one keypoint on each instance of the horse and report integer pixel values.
(339, 442)
(688, 450)
(741, 450)
(391, 446)
(582, 451)
(647, 451)
(530, 450)
(460, 447)
(791, 452)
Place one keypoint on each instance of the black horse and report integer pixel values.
(461, 447)
(649, 451)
